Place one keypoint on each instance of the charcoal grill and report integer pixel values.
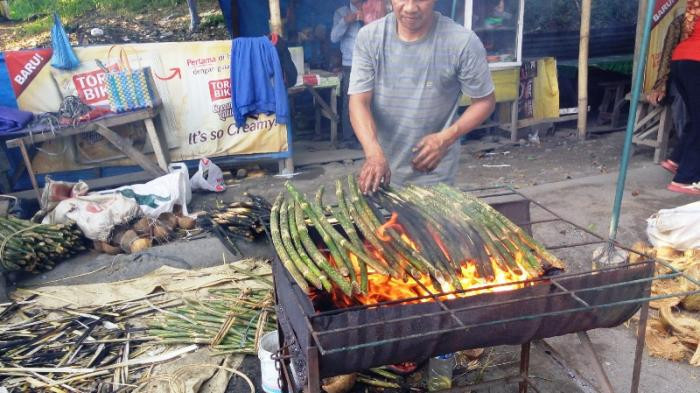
(341, 341)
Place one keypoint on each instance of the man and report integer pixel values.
(408, 72)
(347, 22)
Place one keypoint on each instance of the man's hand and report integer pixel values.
(353, 17)
(430, 151)
(375, 172)
(656, 96)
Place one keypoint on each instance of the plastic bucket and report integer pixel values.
(269, 345)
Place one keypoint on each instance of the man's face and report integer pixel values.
(414, 15)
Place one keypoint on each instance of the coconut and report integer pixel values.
(142, 226)
(185, 222)
(162, 233)
(110, 249)
(140, 244)
(168, 220)
(97, 245)
(126, 239)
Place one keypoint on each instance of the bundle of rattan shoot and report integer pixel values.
(30, 247)
(436, 240)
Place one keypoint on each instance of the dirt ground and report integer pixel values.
(151, 25)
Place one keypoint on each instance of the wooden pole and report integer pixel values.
(640, 32)
(275, 17)
(583, 68)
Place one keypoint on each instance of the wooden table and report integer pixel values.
(329, 110)
(103, 127)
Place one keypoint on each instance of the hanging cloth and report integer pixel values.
(63, 56)
(692, 14)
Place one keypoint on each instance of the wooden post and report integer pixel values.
(275, 17)
(640, 31)
(583, 68)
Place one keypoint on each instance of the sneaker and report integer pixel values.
(689, 189)
(670, 166)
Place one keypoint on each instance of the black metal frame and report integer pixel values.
(317, 350)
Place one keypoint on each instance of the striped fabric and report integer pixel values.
(129, 90)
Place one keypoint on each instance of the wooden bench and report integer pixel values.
(653, 127)
(103, 127)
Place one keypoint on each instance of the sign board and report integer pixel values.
(664, 14)
(192, 79)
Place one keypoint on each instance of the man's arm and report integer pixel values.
(340, 25)
(433, 148)
(375, 170)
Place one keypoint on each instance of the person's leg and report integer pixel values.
(348, 134)
(689, 86)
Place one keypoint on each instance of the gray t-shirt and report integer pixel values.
(416, 87)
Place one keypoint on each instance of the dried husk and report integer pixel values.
(339, 384)
(692, 302)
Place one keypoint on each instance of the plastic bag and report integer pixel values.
(96, 215)
(677, 228)
(209, 177)
(63, 56)
(159, 195)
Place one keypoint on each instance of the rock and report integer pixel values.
(241, 173)
(125, 39)
(97, 32)
(167, 34)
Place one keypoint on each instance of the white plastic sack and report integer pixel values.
(159, 195)
(677, 228)
(209, 177)
(95, 214)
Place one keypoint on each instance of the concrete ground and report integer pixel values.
(585, 197)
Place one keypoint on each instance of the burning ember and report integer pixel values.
(384, 288)
(437, 241)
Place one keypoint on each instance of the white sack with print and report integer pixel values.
(159, 195)
(96, 215)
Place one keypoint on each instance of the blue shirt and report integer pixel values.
(345, 33)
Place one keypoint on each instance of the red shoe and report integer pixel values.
(670, 166)
(689, 189)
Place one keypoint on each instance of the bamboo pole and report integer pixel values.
(640, 32)
(275, 17)
(583, 68)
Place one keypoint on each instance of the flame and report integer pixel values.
(392, 223)
(382, 288)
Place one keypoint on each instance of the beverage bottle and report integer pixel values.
(440, 372)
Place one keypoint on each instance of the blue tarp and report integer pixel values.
(7, 94)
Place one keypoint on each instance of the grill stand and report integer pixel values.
(523, 378)
(313, 352)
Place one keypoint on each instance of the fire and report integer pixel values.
(383, 288)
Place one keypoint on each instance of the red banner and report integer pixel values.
(24, 66)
